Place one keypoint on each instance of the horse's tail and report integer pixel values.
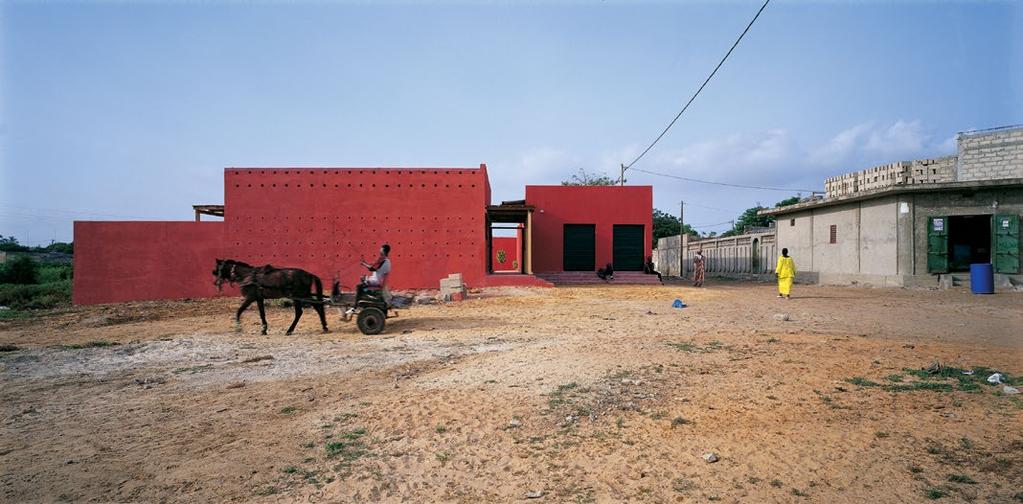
(319, 288)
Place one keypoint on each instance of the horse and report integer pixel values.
(267, 282)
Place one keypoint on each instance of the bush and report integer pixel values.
(21, 269)
(53, 272)
(49, 295)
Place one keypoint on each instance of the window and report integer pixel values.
(834, 234)
(792, 222)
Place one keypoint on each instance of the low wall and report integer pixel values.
(744, 255)
(666, 256)
(119, 261)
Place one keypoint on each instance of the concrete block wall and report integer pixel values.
(745, 255)
(666, 256)
(932, 171)
(750, 254)
(990, 154)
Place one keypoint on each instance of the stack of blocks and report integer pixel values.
(452, 288)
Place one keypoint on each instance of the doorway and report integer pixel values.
(579, 247)
(627, 247)
(969, 241)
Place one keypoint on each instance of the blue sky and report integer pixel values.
(132, 110)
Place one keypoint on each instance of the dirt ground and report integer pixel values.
(590, 394)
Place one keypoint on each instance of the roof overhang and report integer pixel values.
(973, 185)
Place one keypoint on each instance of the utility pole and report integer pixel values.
(681, 239)
(621, 176)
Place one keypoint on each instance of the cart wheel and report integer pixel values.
(371, 320)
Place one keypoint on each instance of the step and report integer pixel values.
(515, 280)
(591, 278)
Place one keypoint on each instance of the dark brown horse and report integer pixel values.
(267, 282)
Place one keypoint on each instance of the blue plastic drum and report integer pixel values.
(982, 278)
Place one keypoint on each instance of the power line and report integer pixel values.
(726, 184)
(697, 93)
(707, 207)
(710, 225)
(75, 212)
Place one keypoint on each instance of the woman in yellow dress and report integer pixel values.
(786, 271)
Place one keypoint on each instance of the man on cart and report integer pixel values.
(379, 269)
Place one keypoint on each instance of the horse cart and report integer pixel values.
(368, 305)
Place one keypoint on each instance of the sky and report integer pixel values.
(124, 110)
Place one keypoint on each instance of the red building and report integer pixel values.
(437, 221)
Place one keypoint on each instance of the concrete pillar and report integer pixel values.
(528, 261)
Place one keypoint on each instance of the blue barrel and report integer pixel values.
(982, 278)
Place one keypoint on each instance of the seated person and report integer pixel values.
(607, 273)
(648, 268)
(379, 270)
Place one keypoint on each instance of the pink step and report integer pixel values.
(591, 278)
(515, 280)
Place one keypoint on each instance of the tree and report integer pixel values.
(787, 201)
(589, 179)
(64, 248)
(501, 256)
(750, 217)
(20, 270)
(10, 244)
(666, 224)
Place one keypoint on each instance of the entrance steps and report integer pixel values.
(590, 278)
(514, 280)
(949, 280)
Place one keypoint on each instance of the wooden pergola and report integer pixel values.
(521, 215)
(214, 210)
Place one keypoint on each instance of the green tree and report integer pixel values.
(589, 179)
(10, 244)
(501, 256)
(65, 248)
(20, 270)
(750, 217)
(666, 224)
(787, 201)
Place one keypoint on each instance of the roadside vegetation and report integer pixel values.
(29, 284)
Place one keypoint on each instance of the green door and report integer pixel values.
(937, 244)
(627, 247)
(579, 247)
(1006, 244)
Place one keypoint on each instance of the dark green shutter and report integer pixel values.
(1006, 244)
(937, 244)
(627, 247)
(579, 247)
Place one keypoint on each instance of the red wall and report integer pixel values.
(128, 261)
(511, 247)
(600, 205)
(321, 220)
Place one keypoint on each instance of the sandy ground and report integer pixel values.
(593, 394)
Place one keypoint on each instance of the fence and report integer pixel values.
(742, 256)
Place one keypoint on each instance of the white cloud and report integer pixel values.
(541, 165)
(867, 144)
(736, 154)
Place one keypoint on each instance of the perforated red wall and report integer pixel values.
(604, 206)
(320, 220)
(323, 220)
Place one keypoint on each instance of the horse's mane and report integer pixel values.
(239, 263)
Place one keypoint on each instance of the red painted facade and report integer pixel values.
(139, 261)
(511, 247)
(323, 219)
(320, 220)
(604, 206)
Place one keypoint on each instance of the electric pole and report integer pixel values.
(621, 176)
(681, 239)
